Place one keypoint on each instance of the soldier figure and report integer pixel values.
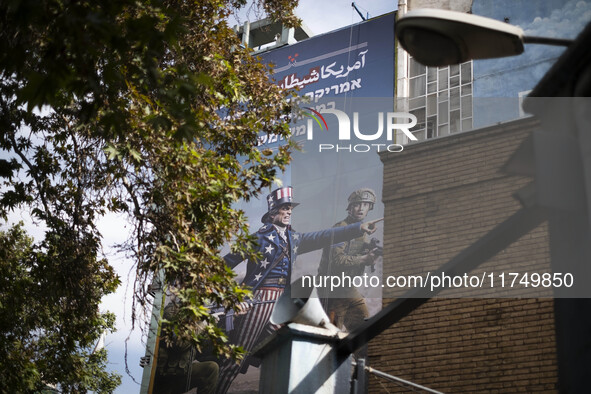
(279, 245)
(346, 306)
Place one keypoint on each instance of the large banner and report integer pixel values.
(309, 226)
(336, 181)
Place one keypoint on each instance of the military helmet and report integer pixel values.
(362, 195)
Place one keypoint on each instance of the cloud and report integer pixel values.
(566, 22)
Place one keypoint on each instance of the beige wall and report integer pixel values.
(453, 5)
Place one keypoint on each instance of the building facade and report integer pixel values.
(454, 192)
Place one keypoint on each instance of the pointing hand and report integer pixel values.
(370, 227)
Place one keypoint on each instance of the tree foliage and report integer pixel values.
(147, 108)
(45, 339)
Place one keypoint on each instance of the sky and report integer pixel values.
(325, 16)
(320, 17)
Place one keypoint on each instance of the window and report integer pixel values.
(440, 98)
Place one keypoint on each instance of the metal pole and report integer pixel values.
(359, 382)
(564, 42)
(359, 12)
(396, 379)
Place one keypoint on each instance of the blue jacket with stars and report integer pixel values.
(270, 248)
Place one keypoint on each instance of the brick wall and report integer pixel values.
(440, 197)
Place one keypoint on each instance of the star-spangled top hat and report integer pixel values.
(278, 197)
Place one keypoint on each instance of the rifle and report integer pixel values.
(373, 245)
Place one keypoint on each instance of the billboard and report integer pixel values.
(348, 70)
(310, 225)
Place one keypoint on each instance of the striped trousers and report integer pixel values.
(250, 329)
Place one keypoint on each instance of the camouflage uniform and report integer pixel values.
(345, 305)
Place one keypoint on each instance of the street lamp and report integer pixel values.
(440, 37)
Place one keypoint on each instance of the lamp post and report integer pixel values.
(441, 37)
